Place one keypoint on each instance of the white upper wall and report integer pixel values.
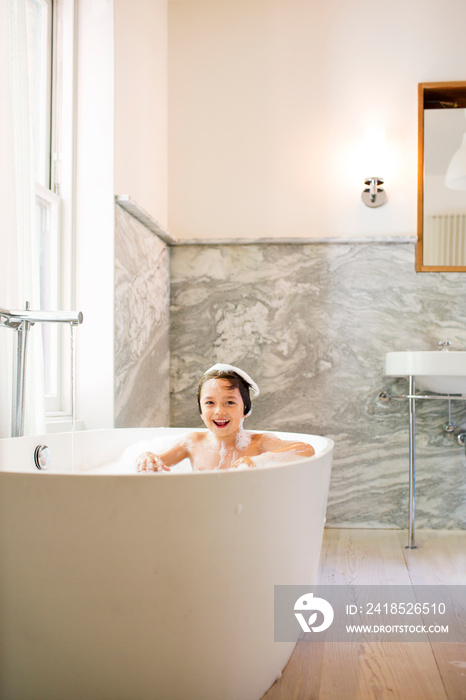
(268, 102)
(141, 103)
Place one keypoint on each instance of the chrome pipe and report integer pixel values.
(13, 319)
(19, 376)
(412, 461)
(21, 321)
(385, 396)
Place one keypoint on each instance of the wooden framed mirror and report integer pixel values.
(441, 206)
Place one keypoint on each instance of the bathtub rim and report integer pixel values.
(163, 431)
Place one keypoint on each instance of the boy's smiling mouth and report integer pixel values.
(220, 423)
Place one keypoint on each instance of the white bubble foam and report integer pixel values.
(243, 439)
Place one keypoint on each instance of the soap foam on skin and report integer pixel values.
(223, 455)
(268, 459)
(188, 443)
(243, 438)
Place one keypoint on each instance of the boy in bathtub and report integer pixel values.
(224, 401)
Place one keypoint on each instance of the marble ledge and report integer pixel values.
(129, 205)
(138, 213)
(358, 240)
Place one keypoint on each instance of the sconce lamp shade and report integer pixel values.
(455, 178)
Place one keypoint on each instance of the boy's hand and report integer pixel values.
(150, 462)
(242, 462)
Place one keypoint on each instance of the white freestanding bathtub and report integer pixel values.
(123, 586)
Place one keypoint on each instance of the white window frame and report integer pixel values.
(63, 182)
(52, 339)
(57, 201)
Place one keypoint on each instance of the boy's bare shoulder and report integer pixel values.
(194, 438)
(265, 441)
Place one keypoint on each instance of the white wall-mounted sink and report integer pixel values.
(443, 372)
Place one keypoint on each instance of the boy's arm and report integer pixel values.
(301, 449)
(273, 444)
(273, 450)
(175, 454)
(151, 462)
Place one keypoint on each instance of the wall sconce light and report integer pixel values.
(374, 196)
(374, 157)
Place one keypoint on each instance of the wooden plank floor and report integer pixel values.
(381, 671)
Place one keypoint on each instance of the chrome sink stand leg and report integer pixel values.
(412, 461)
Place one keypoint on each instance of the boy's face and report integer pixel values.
(222, 408)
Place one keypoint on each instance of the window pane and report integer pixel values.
(39, 25)
(50, 30)
(47, 223)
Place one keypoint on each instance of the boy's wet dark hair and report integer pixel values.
(236, 382)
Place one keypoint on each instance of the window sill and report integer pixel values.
(60, 423)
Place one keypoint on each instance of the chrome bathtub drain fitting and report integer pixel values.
(42, 457)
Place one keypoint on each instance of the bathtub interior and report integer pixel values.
(110, 451)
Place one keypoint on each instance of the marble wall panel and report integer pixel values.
(311, 323)
(142, 353)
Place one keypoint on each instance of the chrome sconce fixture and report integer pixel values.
(374, 157)
(374, 196)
